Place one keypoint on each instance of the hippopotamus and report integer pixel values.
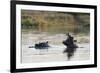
(70, 45)
(42, 45)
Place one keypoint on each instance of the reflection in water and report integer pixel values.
(71, 46)
(70, 52)
(55, 51)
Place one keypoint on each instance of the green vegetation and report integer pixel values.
(28, 23)
(63, 22)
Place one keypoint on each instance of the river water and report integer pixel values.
(54, 53)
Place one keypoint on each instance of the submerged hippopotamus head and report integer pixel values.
(42, 45)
